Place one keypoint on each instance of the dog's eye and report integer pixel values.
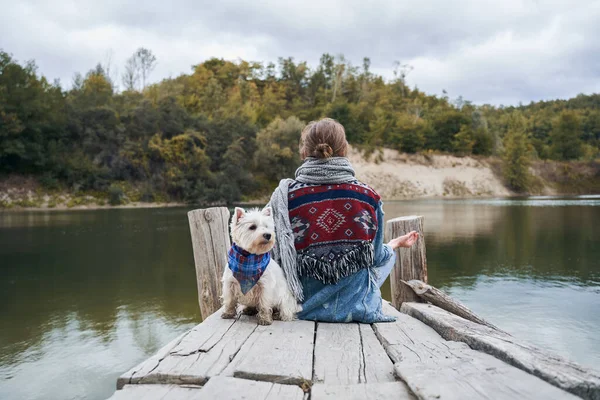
(252, 227)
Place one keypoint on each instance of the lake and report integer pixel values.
(86, 295)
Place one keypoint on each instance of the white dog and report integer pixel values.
(251, 277)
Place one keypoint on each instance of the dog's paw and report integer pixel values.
(228, 315)
(250, 311)
(287, 317)
(265, 321)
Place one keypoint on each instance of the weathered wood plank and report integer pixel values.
(204, 336)
(411, 341)
(226, 388)
(157, 392)
(210, 241)
(480, 377)
(416, 347)
(368, 391)
(572, 377)
(200, 366)
(338, 354)
(410, 263)
(378, 366)
(442, 300)
(146, 366)
(280, 353)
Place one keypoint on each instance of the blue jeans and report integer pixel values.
(354, 298)
(384, 270)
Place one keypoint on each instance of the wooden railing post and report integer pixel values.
(210, 240)
(410, 263)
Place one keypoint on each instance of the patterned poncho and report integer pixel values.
(247, 268)
(334, 226)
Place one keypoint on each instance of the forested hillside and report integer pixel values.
(229, 130)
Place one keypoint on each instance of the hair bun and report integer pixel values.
(324, 150)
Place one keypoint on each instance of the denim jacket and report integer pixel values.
(354, 298)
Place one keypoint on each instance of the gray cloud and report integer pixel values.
(487, 51)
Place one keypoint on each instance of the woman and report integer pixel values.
(329, 229)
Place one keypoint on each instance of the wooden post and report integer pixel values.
(210, 240)
(410, 263)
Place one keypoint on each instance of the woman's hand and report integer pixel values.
(404, 241)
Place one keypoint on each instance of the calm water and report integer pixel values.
(85, 295)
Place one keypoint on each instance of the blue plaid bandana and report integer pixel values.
(247, 268)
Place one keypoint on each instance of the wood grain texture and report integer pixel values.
(410, 341)
(226, 388)
(204, 336)
(157, 392)
(442, 300)
(410, 263)
(198, 367)
(338, 354)
(146, 366)
(279, 353)
(378, 366)
(368, 391)
(210, 242)
(480, 377)
(572, 377)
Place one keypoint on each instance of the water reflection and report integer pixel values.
(473, 238)
(86, 298)
(85, 295)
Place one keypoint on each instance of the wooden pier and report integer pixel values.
(428, 353)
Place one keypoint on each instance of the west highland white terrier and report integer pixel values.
(251, 277)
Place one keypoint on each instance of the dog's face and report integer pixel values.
(253, 231)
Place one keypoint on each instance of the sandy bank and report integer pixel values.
(397, 176)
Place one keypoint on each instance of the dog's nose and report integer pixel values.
(267, 236)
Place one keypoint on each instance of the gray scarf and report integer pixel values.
(312, 171)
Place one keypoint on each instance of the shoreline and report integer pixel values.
(394, 175)
(146, 205)
(94, 207)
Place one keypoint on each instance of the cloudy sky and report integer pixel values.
(499, 52)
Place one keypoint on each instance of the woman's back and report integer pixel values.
(329, 230)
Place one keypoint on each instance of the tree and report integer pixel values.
(146, 62)
(277, 153)
(463, 141)
(516, 156)
(445, 125)
(138, 66)
(483, 142)
(131, 76)
(32, 115)
(566, 137)
(409, 134)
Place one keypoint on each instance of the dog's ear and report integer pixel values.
(238, 214)
(267, 212)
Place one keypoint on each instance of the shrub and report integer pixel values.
(115, 195)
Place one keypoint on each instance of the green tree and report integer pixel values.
(32, 115)
(463, 141)
(409, 133)
(277, 155)
(566, 137)
(445, 125)
(516, 156)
